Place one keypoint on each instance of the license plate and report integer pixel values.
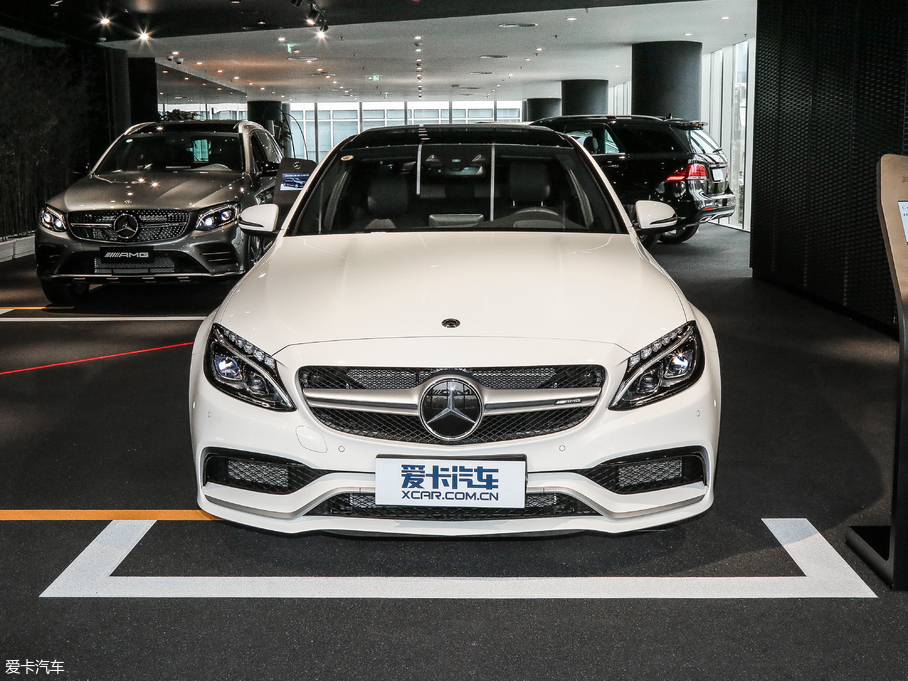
(718, 174)
(127, 254)
(485, 483)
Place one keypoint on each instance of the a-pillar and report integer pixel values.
(582, 97)
(666, 79)
(541, 107)
(143, 89)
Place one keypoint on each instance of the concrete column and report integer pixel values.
(666, 79)
(143, 90)
(116, 63)
(265, 113)
(541, 107)
(581, 97)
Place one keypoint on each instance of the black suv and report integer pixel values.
(663, 159)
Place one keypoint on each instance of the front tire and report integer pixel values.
(64, 292)
(677, 236)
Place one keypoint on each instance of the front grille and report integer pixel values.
(258, 473)
(493, 428)
(649, 473)
(542, 505)
(502, 378)
(154, 225)
(160, 265)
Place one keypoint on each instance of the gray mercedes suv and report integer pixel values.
(160, 205)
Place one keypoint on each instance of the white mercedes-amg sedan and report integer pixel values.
(455, 332)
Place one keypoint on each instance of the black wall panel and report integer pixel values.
(830, 99)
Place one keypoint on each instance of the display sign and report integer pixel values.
(484, 483)
(294, 181)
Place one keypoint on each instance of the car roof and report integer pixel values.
(192, 126)
(613, 118)
(473, 133)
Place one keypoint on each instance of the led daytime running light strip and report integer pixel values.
(247, 348)
(653, 348)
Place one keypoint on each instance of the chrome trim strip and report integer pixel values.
(494, 401)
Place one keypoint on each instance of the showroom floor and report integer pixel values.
(99, 452)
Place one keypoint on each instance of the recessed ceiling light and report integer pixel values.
(419, 68)
(282, 40)
(419, 37)
(539, 49)
(419, 49)
(527, 59)
(105, 21)
(261, 23)
(493, 56)
(174, 53)
(144, 36)
(220, 70)
(251, 83)
(165, 71)
(236, 77)
(724, 18)
(187, 78)
(198, 63)
(688, 35)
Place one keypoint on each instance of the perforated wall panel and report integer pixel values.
(830, 99)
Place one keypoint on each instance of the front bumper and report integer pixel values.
(688, 420)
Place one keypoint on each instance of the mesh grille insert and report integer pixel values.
(500, 378)
(493, 428)
(358, 505)
(154, 225)
(258, 473)
(655, 472)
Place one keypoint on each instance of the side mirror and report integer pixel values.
(259, 220)
(655, 216)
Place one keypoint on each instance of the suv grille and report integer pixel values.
(154, 225)
(517, 402)
(359, 505)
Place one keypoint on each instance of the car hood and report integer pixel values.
(181, 189)
(594, 287)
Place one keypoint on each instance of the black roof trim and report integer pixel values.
(189, 126)
(614, 118)
(473, 133)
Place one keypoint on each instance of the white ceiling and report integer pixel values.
(595, 46)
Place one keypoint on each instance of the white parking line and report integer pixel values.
(100, 319)
(4, 310)
(826, 575)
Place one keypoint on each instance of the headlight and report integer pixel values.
(235, 366)
(663, 368)
(52, 219)
(219, 216)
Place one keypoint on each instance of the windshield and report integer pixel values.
(175, 151)
(429, 187)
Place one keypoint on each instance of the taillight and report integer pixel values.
(695, 171)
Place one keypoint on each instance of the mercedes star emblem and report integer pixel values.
(451, 408)
(126, 226)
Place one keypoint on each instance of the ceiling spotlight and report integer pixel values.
(419, 49)
(313, 14)
(174, 53)
(105, 21)
(144, 36)
(572, 19)
(419, 37)
(282, 40)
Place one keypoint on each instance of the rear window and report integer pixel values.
(699, 140)
(648, 139)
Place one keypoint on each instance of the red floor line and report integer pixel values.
(92, 359)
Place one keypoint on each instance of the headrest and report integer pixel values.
(591, 144)
(388, 196)
(528, 182)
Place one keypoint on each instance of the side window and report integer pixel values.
(272, 153)
(608, 144)
(258, 152)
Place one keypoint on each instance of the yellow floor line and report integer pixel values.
(93, 514)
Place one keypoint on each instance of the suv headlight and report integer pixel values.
(664, 367)
(52, 219)
(219, 216)
(235, 366)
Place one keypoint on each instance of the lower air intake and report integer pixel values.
(258, 473)
(358, 505)
(650, 473)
